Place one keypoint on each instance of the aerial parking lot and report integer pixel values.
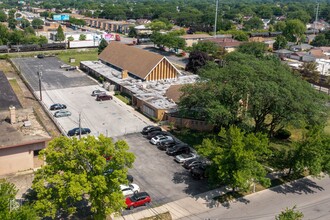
(74, 88)
(153, 170)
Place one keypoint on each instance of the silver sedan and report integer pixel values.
(62, 113)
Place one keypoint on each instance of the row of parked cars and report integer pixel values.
(62, 112)
(183, 153)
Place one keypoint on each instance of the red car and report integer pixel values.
(138, 199)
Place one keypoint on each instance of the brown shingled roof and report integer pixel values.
(136, 61)
(174, 93)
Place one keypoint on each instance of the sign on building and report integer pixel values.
(61, 17)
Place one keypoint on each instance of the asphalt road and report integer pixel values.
(312, 197)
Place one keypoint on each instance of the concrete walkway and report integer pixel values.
(181, 208)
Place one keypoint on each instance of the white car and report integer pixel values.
(159, 138)
(98, 92)
(130, 189)
(184, 157)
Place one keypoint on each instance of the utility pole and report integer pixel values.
(79, 125)
(216, 18)
(39, 76)
(316, 16)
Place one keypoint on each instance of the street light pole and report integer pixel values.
(39, 76)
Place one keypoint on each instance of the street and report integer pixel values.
(311, 196)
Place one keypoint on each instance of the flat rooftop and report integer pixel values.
(151, 92)
(17, 134)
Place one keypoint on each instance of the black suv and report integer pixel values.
(75, 131)
(166, 144)
(57, 106)
(150, 128)
(103, 97)
(178, 149)
(199, 172)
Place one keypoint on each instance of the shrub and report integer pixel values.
(282, 134)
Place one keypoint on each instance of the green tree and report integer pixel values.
(294, 30)
(290, 214)
(301, 15)
(280, 42)
(159, 25)
(42, 40)
(209, 47)
(8, 192)
(70, 38)
(253, 23)
(239, 35)
(312, 153)
(322, 39)
(82, 37)
(103, 44)
(280, 26)
(37, 23)
(25, 23)
(12, 23)
(29, 30)
(235, 159)
(77, 172)
(309, 72)
(3, 16)
(132, 32)
(4, 33)
(250, 88)
(16, 37)
(60, 34)
(257, 49)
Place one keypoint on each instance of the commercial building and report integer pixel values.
(138, 63)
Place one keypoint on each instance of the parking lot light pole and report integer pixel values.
(39, 76)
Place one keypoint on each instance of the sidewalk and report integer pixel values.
(180, 208)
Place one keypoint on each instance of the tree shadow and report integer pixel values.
(203, 192)
(301, 186)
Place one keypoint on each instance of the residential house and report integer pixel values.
(301, 47)
(228, 44)
(195, 38)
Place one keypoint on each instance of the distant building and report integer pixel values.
(194, 38)
(228, 44)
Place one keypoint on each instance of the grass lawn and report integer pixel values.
(79, 55)
(123, 99)
(15, 86)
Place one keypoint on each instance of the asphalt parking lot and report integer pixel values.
(53, 77)
(73, 88)
(159, 175)
(7, 95)
(154, 171)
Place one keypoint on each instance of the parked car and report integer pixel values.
(97, 92)
(166, 144)
(40, 56)
(75, 131)
(155, 133)
(64, 66)
(57, 106)
(178, 149)
(138, 199)
(103, 97)
(130, 189)
(150, 128)
(181, 158)
(70, 68)
(199, 172)
(62, 113)
(189, 164)
(160, 138)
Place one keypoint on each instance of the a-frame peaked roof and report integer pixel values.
(136, 61)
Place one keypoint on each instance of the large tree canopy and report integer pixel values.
(236, 158)
(82, 174)
(247, 88)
